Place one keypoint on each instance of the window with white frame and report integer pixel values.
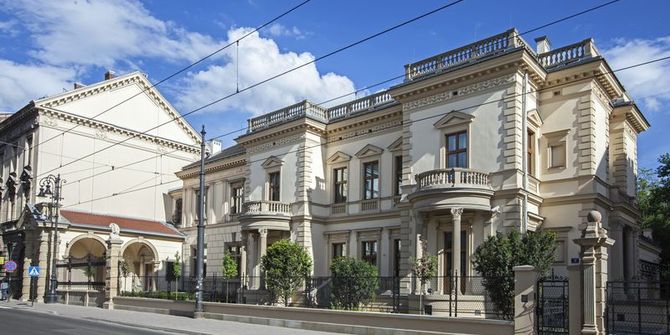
(371, 180)
(457, 150)
(556, 157)
(340, 177)
(236, 198)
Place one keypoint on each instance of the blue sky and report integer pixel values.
(46, 46)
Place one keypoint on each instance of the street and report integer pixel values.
(29, 322)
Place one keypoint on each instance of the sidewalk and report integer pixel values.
(159, 322)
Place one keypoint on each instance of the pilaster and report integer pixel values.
(112, 271)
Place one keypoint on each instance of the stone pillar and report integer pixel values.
(43, 262)
(594, 243)
(112, 271)
(525, 280)
(251, 244)
(456, 242)
(263, 247)
(243, 264)
(575, 298)
(30, 256)
(617, 264)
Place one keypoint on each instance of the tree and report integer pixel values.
(498, 255)
(228, 269)
(175, 271)
(424, 269)
(286, 266)
(653, 195)
(354, 282)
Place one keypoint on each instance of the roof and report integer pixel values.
(232, 151)
(102, 221)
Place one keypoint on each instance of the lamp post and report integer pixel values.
(46, 185)
(200, 255)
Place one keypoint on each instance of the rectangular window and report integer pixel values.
(338, 250)
(369, 251)
(234, 251)
(557, 155)
(236, 199)
(371, 180)
(176, 216)
(457, 150)
(274, 186)
(398, 174)
(340, 185)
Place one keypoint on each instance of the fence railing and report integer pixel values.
(442, 295)
(266, 207)
(454, 177)
(638, 307)
(568, 54)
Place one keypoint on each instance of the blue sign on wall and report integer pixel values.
(34, 271)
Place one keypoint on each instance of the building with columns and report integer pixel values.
(490, 137)
(116, 152)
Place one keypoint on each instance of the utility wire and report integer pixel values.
(424, 119)
(393, 78)
(385, 31)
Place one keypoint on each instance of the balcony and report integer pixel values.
(263, 214)
(456, 187)
(568, 55)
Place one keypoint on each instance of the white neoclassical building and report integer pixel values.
(472, 142)
(115, 147)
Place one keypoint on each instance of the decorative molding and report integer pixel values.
(465, 90)
(338, 157)
(396, 145)
(534, 118)
(281, 141)
(369, 150)
(364, 131)
(272, 162)
(454, 118)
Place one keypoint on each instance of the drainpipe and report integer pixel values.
(524, 154)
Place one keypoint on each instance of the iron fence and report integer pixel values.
(638, 307)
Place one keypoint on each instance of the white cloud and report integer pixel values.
(649, 83)
(103, 33)
(260, 58)
(279, 30)
(20, 83)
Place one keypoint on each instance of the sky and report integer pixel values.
(46, 46)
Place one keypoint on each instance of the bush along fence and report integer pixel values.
(442, 295)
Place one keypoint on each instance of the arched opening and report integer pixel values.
(138, 267)
(85, 264)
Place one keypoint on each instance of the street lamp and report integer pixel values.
(46, 185)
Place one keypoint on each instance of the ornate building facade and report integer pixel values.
(490, 137)
(102, 140)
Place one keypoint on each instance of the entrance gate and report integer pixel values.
(638, 307)
(552, 307)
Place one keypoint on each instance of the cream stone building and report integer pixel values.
(114, 146)
(472, 142)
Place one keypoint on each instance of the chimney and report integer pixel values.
(109, 74)
(78, 85)
(542, 44)
(214, 147)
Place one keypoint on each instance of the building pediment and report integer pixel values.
(369, 150)
(454, 118)
(534, 118)
(271, 162)
(396, 145)
(338, 157)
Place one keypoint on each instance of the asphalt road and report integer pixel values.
(26, 322)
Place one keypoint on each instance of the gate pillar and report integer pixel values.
(594, 243)
(112, 270)
(525, 279)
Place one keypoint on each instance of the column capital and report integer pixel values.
(457, 212)
(263, 232)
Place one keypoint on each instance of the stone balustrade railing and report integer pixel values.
(471, 52)
(303, 108)
(359, 105)
(454, 177)
(568, 54)
(266, 208)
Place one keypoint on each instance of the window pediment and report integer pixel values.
(534, 118)
(369, 150)
(396, 145)
(454, 118)
(338, 157)
(271, 162)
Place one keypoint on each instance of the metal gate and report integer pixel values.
(638, 307)
(552, 307)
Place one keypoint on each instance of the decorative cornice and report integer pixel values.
(369, 150)
(338, 157)
(465, 90)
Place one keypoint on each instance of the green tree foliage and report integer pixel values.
(286, 265)
(228, 270)
(176, 267)
(354, 283)
(424, 269)
(498, 255)
(653, 195)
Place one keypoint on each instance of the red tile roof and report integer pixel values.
(128, 224)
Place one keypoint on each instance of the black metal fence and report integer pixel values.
(86, 273)
(442, 295)
(638, 307)
(552, 308)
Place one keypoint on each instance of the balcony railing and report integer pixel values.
(303, 108)
(266, 208)
(568, 54)
(455, 177)
(469, 53)
(359, 105)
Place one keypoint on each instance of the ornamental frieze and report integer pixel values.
(465, 90)
(280, 141)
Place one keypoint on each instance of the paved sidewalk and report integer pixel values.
(159, 322)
